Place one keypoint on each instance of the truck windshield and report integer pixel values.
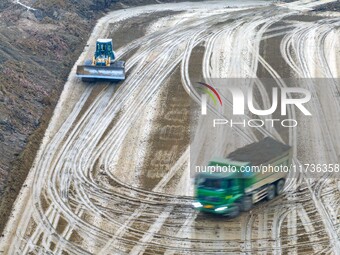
(211, 183)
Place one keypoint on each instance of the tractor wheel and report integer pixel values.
(279, 187)
(271, 192)
(118, 64)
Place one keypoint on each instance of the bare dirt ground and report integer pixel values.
(112, 174)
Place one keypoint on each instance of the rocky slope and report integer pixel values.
(39, 46)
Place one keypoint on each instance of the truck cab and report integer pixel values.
(220, 193)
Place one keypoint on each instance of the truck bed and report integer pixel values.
(260, 152)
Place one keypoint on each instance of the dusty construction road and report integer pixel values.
(112, 174)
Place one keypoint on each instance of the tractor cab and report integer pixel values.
(104, 55)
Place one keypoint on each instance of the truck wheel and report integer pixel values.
(279, 187)
(235, 212)
(271, 192)
(247, 203)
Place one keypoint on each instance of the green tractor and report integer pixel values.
(248, 175)
(103, 64)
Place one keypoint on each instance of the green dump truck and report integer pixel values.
(249, 174)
